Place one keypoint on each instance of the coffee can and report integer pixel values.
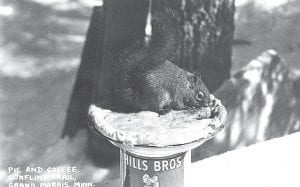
(146, 166)
(146, 171)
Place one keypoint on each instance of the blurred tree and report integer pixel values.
(41, 30)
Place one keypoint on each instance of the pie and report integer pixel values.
(151, 129)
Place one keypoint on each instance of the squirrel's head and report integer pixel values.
(200, 90)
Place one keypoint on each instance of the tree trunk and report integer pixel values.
(124, 21)
(208, 26)
(83, 90)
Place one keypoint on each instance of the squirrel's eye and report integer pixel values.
(200, 95)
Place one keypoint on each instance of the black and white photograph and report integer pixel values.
(149, 93)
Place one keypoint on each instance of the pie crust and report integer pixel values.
(151, 129)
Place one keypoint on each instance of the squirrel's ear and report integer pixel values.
(195, 77)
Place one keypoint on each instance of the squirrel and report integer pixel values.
(146, 77)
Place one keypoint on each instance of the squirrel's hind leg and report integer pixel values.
(156, 101)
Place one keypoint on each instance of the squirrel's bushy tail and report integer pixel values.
(165, 41)
(140, 57)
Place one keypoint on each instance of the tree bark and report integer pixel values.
(207, 43)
